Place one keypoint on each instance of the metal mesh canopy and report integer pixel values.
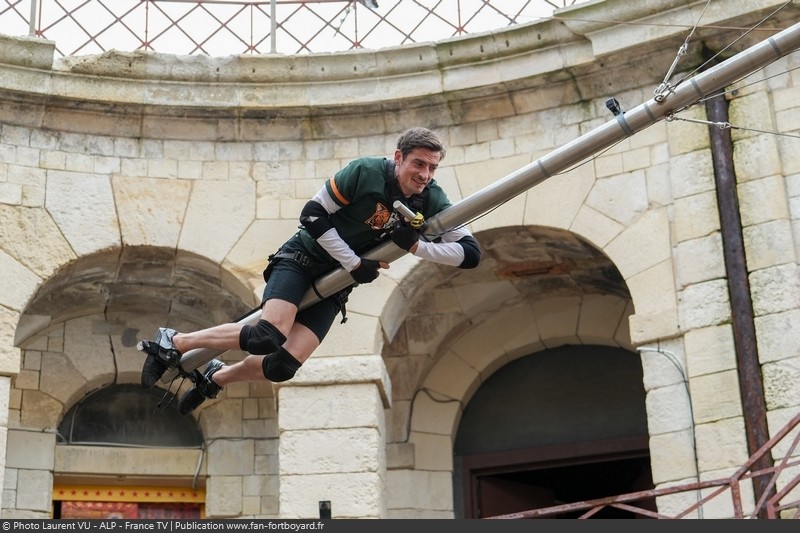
(229, 27)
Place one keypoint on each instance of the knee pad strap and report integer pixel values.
(261, 339)
(280, 366)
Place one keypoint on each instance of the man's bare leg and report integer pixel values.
(223, 337)
(300, 343)
(209, 383)
(226, 336)
(165, 351)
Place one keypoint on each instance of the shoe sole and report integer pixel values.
(152, 369)
(190, 401)
(193, 398)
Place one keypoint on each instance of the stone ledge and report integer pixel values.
(155, 462)
(656, 20)
(343, 370)
(472, 66)
(28, 52)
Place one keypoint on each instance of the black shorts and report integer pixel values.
(289, 280)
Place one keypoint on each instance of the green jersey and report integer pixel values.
(364, 198)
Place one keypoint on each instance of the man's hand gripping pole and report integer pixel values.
(415, 220)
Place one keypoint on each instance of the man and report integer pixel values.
(351, 214)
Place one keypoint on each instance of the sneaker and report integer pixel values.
(161, 356)
(203, 388)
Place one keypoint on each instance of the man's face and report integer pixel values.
(416, 170)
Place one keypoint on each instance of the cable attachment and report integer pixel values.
(665, 89)
(720, 125)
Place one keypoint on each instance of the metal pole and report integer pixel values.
(751, 388)
(623, 125)
(32, 20)
(273, 27)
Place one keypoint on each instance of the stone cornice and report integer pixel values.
(432, 79)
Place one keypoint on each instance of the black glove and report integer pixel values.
(404, 236)
(367, 271)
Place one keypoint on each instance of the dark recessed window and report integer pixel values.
(126, 415)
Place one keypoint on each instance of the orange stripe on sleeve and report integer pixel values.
(337, 193)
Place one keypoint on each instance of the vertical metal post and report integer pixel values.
(32, 20)
(273, 27)
(325, 511)
(745, 339)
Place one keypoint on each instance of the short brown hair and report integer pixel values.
(420, 138)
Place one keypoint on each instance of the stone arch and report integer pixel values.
(475, 356)
(537, 288)
(86, 319)
(78, 335)
(624, 217)
(433, 305)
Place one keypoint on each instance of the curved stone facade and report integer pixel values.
(141, 190)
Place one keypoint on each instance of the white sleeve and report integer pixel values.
(446, 252)
(331, 241)
(339, 250)
(324, 199)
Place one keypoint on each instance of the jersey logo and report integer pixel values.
(380, 219)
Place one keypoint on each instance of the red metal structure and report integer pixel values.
(784, 504)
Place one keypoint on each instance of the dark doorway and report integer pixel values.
(558, 426)
(549, 485)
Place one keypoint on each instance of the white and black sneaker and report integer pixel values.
(161, 356)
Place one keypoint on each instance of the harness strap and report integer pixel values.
(300, 257)
(305, 261)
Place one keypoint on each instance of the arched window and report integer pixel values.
(126, 415)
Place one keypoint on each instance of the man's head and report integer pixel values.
(420, 138)
(418, 154)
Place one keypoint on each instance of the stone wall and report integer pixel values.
(138, 190)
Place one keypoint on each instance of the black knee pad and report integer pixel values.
(261, 339)
(280, 366)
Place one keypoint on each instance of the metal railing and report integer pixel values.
(231, 27)
(779, 500)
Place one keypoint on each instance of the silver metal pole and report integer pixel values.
(273, 27)
(623, 125)
(32, 20)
